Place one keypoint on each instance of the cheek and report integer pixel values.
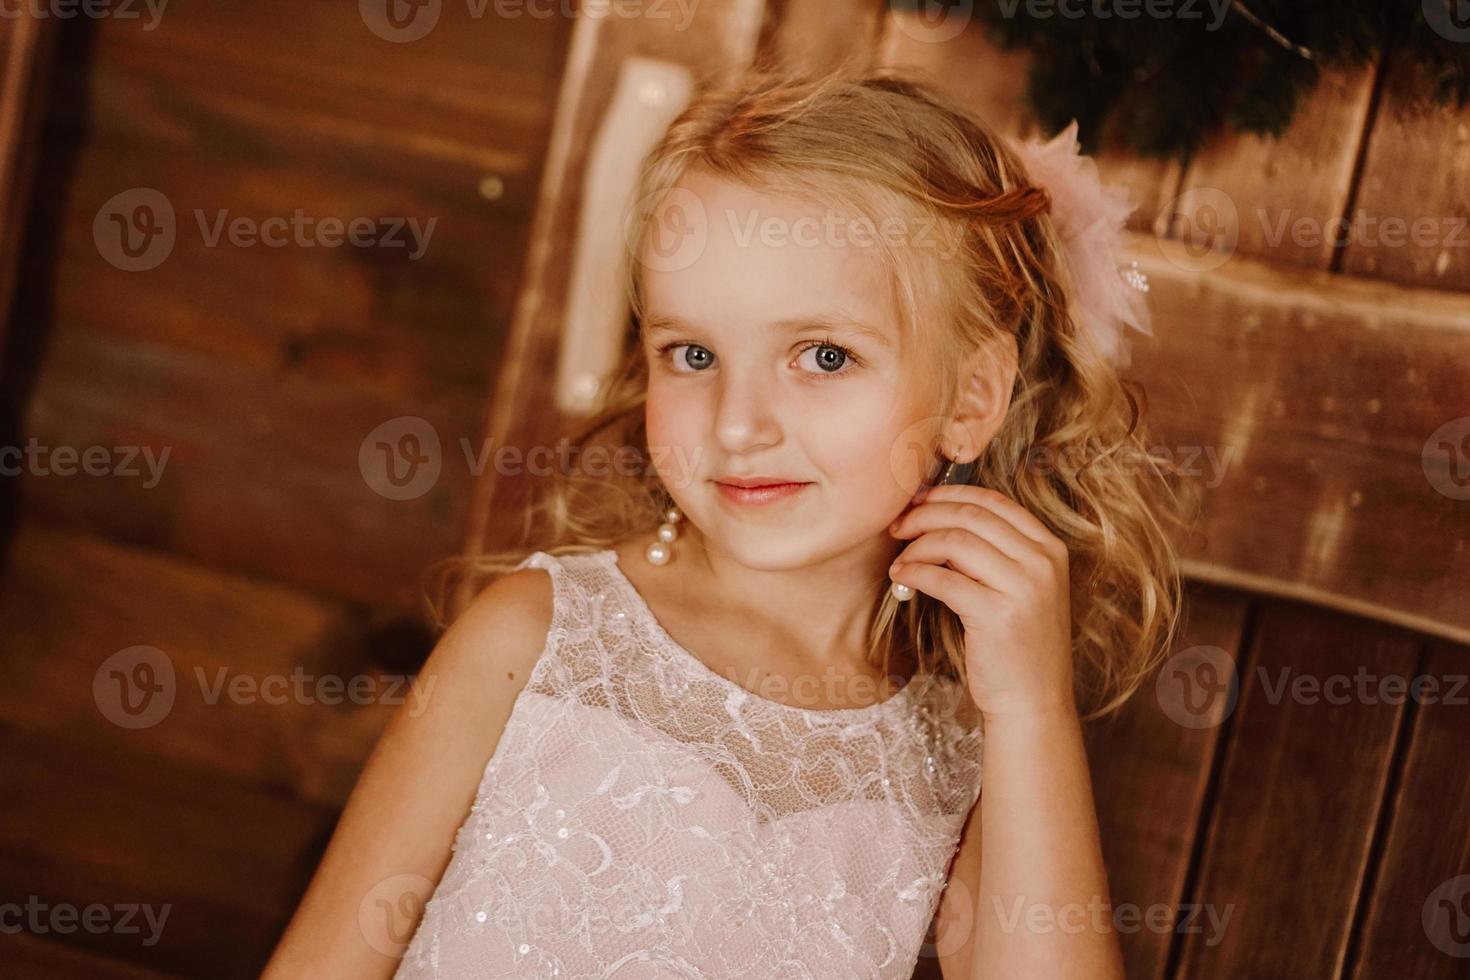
(669, 416)
(674, 425)
(876, 449)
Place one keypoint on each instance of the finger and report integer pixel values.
(1019, 517)
(983, 521)
(968, 554)
(968, 598)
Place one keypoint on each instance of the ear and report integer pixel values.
(987, 377)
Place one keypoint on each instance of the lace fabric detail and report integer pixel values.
(645, 816)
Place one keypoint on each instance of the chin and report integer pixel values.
(775, 549)
(765, 548)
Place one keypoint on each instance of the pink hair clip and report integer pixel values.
(1089, 217)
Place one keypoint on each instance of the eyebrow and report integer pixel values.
(658, 325)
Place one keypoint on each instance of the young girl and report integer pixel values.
(891, 523)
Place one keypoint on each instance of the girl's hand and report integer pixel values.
(1007, 580)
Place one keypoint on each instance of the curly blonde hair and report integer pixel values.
(1072, 447)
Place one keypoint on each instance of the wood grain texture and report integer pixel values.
(1312, 409)
(99, 822)
(1415, 922)
(266, 472)
(1417, 174)
(1151, 764)
(267, 368)
(1277, 198)
(71, 602)
(1287, 846)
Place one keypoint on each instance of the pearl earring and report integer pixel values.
(953, 472)
(660, 551)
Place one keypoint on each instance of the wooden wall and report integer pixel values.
(264, 548)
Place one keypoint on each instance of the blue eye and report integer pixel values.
(695, 358)
(829, 358)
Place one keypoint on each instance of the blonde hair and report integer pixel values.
(885, 142)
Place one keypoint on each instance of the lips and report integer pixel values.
(750, 482)
(758, 489)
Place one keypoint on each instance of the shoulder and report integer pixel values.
(499, 636)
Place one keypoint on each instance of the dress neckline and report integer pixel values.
(878, 709)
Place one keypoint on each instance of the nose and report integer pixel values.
(745, 419)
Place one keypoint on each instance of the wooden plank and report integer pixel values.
(1301, 787)
(1415, 923)
(1277, 198)
(268, 473)
(1151, 764)
(1314, 412)
(231, 650)
(720, 42)
(92, 821)
(1416, 173)
(27, 43)
(220, 109)
(221, 112)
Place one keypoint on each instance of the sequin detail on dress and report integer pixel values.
(644, 816)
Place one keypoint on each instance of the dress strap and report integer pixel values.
(573, 649)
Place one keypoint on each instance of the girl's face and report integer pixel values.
(775, 353)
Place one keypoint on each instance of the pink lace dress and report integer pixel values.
(645, 816)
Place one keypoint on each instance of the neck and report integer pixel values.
(826, 607)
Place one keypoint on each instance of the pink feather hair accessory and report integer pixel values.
(1089, 216)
